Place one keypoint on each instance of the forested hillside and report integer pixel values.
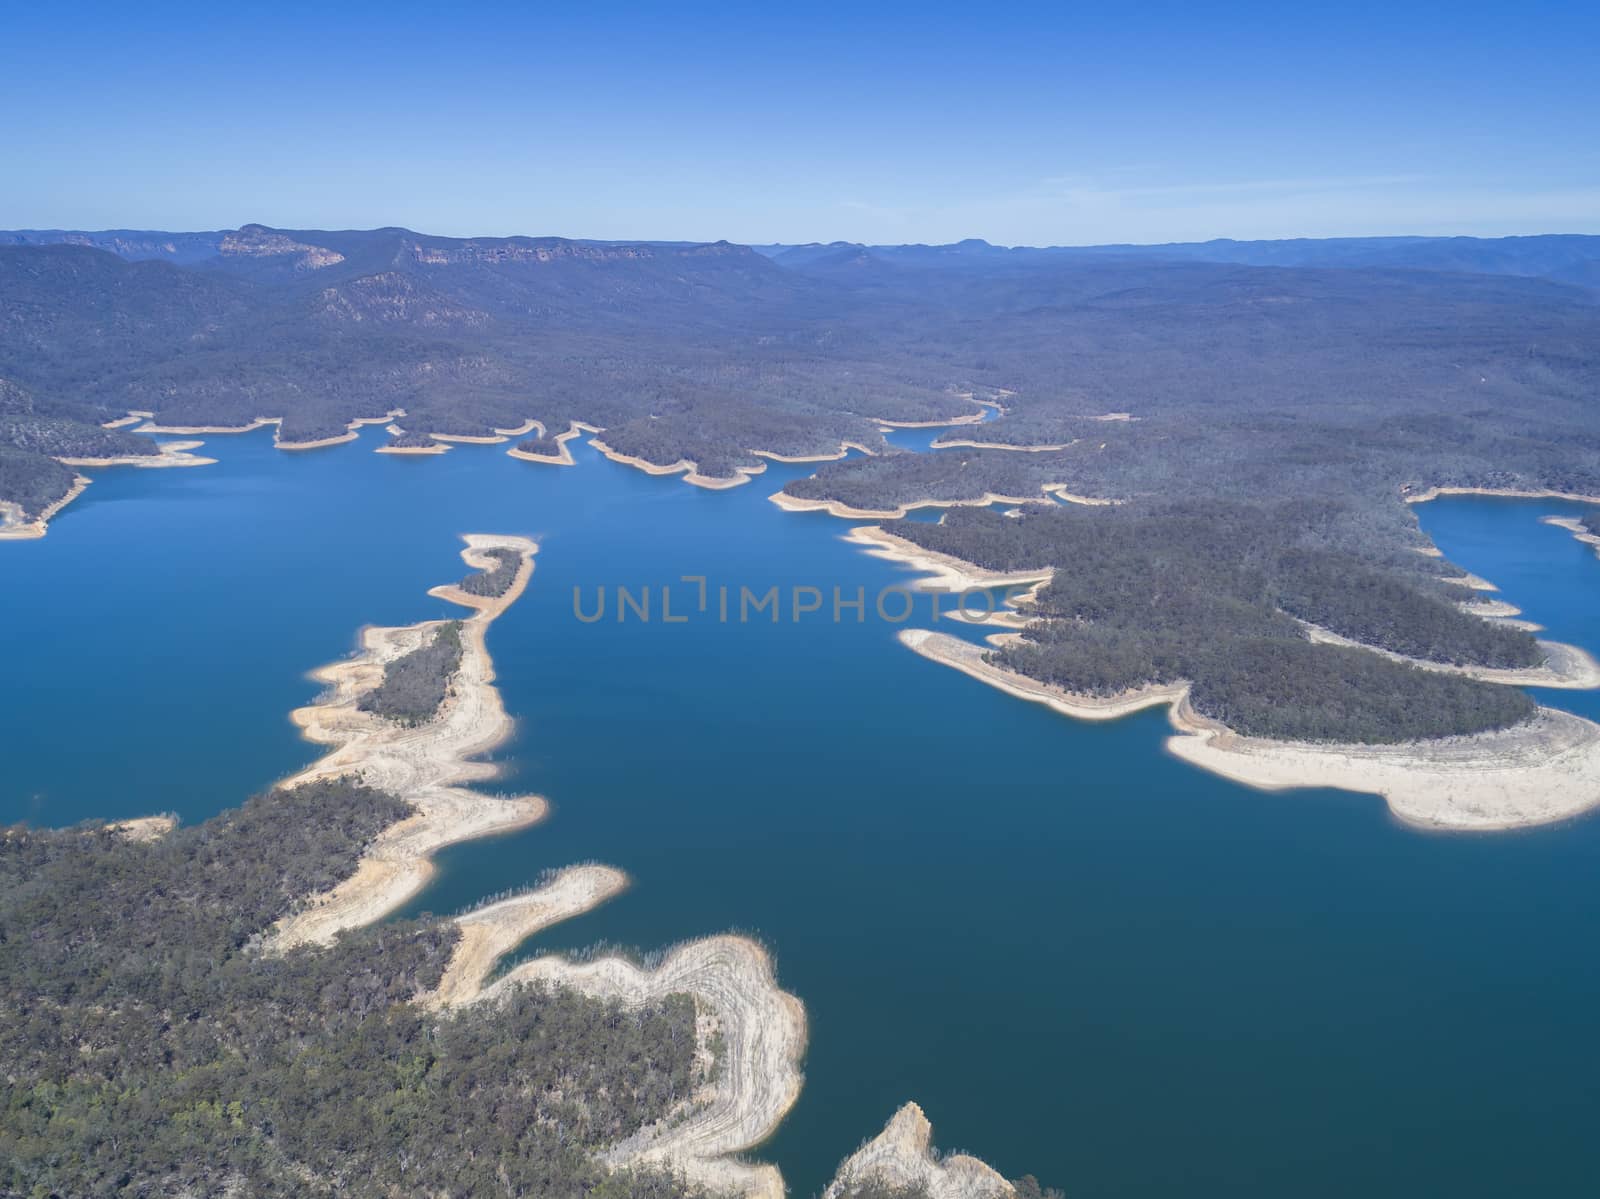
(1202, 387)
(1161, 593)
(148, 1048)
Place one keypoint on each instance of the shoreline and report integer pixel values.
(420, 765)
(396, 431)
(169, 453)
(969, 418)
(1566, 667)
(490, 932)
(1576, 527)
(15, 525)
(686, 467)
(261, 422)
(1508, 493)
(843, 452)
(942, 572)
(965, 443)
(731, 979)
(902, 1158)
(790, 503)
(1542, 771)
(753, 1084)
(564, 458)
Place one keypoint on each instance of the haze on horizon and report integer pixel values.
(906, 124)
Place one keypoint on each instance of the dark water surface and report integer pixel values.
(1085, 959)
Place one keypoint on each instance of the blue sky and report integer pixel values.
(1049, 124)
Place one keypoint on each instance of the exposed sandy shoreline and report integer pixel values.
(683, 466)
(396, 431)
(144, 828)
(262, 422)
(490, 932)
(1059, 490)
(1576, 527)
(172, 453)
(844, 449)
(969, 418)
(420, 765)
(1512, 493)
(1543, 770)
(964, 443)
(15, 525)
(902, 1157)
(968, 659)
(762, 1028)
(763, 1034)
(790, 503)
(943, 571)
(565, 458)
(1566, 666)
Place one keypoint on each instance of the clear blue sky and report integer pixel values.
(1060, 123)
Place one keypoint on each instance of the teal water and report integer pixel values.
(1085, 959)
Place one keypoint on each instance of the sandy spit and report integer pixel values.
(902, 1157)
(421, 765)
(1059, 490)
(730, 978)
(1576, 527)
(1565, 666)
(173, 453)
(15, 525)
(685, 467)
(844, 449)
(396, 431)
(575, 429)
(790, 503)
(756, 1081)
(968, 659)
(943, 571)
(942, 444)
(490, 932)
(1544, 770)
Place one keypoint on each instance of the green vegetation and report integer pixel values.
(1149, 594)
(416, 683)
(410, 440)
(148, 1048)
(32, 481)
(1591, 521)
(498, 579)
(1258, 372)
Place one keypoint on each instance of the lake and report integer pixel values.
(1085, 959)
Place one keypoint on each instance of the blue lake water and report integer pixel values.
(1085, 959)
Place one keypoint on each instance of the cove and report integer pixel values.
(1084, 959)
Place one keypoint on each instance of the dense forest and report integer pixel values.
(416, 683)
(1154, 593)
(147, 1047)
(1255, 369)
(1348, 373)
(495, 581)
